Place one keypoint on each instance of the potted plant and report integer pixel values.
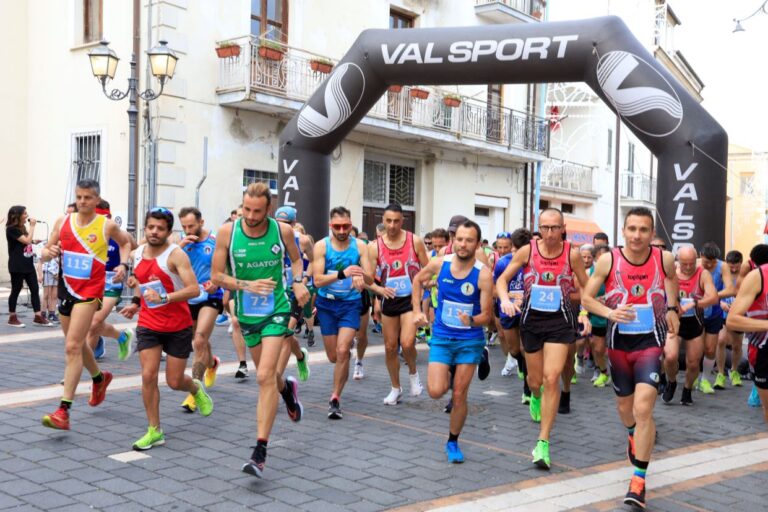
(452, 100)
(420, 94)
(321, 65)
(226, 49)
(271, 50)
(395, 88)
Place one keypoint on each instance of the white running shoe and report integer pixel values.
(509, 368)
(394, 396)
(359, 373)
(229, 329)
(416, 387)
(595, 375)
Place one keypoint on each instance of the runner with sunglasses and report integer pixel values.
(341, 273)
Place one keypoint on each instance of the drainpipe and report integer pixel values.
(205, 172)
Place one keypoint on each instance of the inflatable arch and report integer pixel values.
(690, 145)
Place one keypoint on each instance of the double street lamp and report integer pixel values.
(104, 61)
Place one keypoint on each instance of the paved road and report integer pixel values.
(376, 458)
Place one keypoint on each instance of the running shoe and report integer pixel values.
(358, 374)
(631, 449)
(520, 374)
(255, 465)
(602, 380)
(311, 339)
(526, 400)
(636, 493)
(153, 437)
(189, 404)
(53, 317)
(124, 344)
(448, 407)
(453, 452)
(394, 396)
(493, 340)
(541, 455)
(98, 352)
(295, 410)
(203, 401)
(754, 398)
(416, 387)
(376, 329)
(687, 398)
(669, 392)
(334, 409)
(59, 420)
(719, 381)
(230, 329)
(534, 408)
(99, 391)
(222, 320)
(210, 373)
(303, 366)
(735, 378)
(484, 368)
(509, 368)
(579, 365)
(705, 386)
(242, 372)
(575, 379)
(306, 332)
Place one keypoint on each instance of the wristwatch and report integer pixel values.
(676, 309)
(164, 298)
(298, 279)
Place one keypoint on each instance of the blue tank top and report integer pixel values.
(717, 277)
(454, 296)
(113, 256)
(516, 284)
(200, 256)
(339, 260)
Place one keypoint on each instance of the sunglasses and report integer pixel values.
(341, 227)
(504, 234)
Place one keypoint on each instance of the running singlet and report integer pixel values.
(288, 266)
(339, 260)
(548, 283)
(398, 266)
(717, 276)
(597, 321)
(516, 286)
(200, 256)
(258, 258)
(455, 296)
(690, 290)
(113, 260)
(759, 311)
(154, 274)
(643, 287)
(84, 257)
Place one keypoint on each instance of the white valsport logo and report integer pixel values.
(640, 94)
(347, 79)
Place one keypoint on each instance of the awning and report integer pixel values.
(580, 231)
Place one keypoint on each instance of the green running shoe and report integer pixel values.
(520, 375)
(303, 366)
(204, 402)
(124, 344)
(153, 437)
(705, 387)
(735, 378)
(541, 455)
(601, 381)
(534, 407)
(574, 379)
(720, 381)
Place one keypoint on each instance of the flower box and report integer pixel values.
(321, 66)
(225, 50)
(452, 100)
(420, 94)
(395, 88)
(271, 52)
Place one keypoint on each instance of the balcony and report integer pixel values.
(637, 190)
(280, 84)
(510, 11)
(570, 177)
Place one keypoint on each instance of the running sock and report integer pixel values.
(243, 363)
(631, 431)
(708, 365)
(453, 437)
(641, 467)
(98, 378)
(65, 404)
(520, 361)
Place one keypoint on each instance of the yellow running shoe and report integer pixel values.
(210, 373)
(735, 378)
(189, 404)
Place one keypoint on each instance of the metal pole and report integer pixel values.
(617, 178)
(133, 113)
(205, 172)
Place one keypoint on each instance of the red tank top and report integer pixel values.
(549, 271)
(398, 262)
(154, 273)
(628, 283)
(84, 257)
(691, 287)
(759, 310)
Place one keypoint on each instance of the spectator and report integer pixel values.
(48, 277)
(600, 239)
(21, 264)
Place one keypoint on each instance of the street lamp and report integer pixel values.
(763, 8)
(104, 61)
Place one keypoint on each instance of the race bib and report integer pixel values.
(643, 322)
(450, 314)
(200, 298)
(258, 305)
(402, 285)
(77, 265)
(684, 302)
(342, 287)
(152, 285)
(109, 285)
(546, 298)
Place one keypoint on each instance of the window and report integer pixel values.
(398, 19)
(269, 19)
(747, 184)
(387, 182)
(630, 158)
(567, 208)
(253, 176)
(86, 160)
(493, 126)
(609, 160)
(88, 20)
(543, 204)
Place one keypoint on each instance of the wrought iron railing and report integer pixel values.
(567, 176)
(639, 187)
(529, 7)
(296, 74)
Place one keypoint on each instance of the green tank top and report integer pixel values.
(597, 321)
(258, 258)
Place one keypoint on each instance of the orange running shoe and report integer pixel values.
(59, 420)
(99, 391)
(636, 494)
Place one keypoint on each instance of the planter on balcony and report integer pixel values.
(537, 14)
(420, 94)
(395, 88)
(321, 66)
(452, 100)
(271, 53)
(226, 50)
